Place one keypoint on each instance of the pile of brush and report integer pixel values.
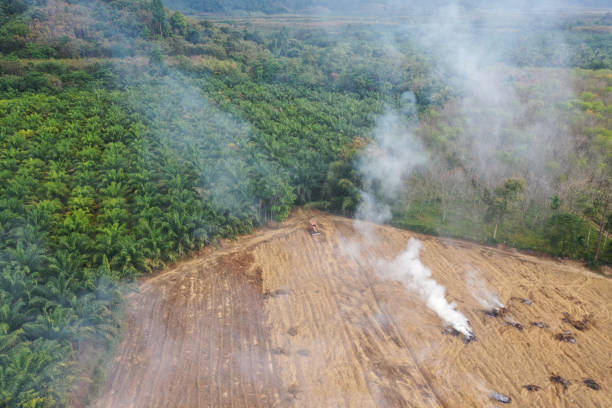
(467, 338)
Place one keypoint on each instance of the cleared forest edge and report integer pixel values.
(281, 318)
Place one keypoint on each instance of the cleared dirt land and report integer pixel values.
(281, 318)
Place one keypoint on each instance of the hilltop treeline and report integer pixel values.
(119, 156)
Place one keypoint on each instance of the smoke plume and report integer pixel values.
(408, 269)
(385, 163)
(393, 155)
(502, 138)
(486, 297)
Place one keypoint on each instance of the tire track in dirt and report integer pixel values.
(227, 303)
(283, 319)
(402, 342)
(360, 337)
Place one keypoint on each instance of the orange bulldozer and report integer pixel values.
(313, 227)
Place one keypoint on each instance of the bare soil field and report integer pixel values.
(281, 318)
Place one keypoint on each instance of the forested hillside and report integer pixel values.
(132, 136)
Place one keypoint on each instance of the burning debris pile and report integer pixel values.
(489, 299)
(566, 336)
(501, 398)
(448, 330)
(581, 325)
(557, 379)
(496, 312)
(525, 301)
(513, 323)
(589, 382)
(408, 269)
(502, 312)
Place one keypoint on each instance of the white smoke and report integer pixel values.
(394, 154)
(408, 269)
(503, 138)
(483, 295)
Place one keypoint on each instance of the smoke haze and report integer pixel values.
(386, 162)
(408, 269)
(393, 155)
(498, 142)
(478, 287)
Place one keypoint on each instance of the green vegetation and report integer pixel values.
(118, 157)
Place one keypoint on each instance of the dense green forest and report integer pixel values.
(132, 136)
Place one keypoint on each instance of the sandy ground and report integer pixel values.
(280, 318)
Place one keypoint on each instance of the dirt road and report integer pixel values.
(280, 318)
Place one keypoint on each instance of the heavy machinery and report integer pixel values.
(313, 227)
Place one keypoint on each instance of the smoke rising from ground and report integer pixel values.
(486, 297)
(504, 136)
(212, 141)
(394, 154)
(408, 269)
(385, 164)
